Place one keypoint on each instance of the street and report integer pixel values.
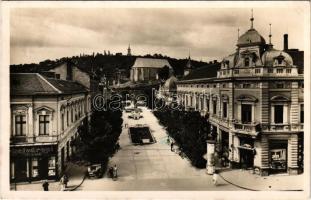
(152, 166)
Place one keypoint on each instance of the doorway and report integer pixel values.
(43, 168)
(21, 169)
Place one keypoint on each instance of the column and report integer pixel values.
(293, 154)
(30, 122)
(253, 112)
(272, 114)
(28, 167)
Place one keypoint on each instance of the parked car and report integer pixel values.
(95, 170)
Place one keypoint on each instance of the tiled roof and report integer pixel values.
(151, 63)
(35, 84)
(207, 71)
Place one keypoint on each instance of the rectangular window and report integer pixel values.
(279, 71)
(270, 70)
(224, 109)
(71, 115)
(20, 125)
(301, 113)
(44, 121)
(214, 107)
(63, 122)
(257, 71)
(279, 85)
(207, 105)
(278, 114)
(246, 113)
(246, 62)
(288, 71)
(67, 117)
(236, 71)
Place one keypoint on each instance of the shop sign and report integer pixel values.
(33, 151)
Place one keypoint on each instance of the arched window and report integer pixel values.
(246, 62)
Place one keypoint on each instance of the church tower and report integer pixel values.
(188, 67)
(129, 53)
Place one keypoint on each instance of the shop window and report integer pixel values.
(214, 107)
(35, 168)
(278, 114)
(44, 122)
(246, 113)
(224, 109)
(301, 113)
(52, 166)
(20, 125)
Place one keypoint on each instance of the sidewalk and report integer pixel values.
(75, 173)
(245, 179)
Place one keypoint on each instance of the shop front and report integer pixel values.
(31, 163)
(247, 152)
(278, 156)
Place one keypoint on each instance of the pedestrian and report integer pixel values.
(66, 180)
(45, 185)
(115, 172)
(62, 183)
(172, 145)
(168, 139)
(215, 177)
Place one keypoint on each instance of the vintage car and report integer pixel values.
(95, 170)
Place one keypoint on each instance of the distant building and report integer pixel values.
(188, 67)
(146, 69)
(45, 116)
(296, 54)
(129, 51)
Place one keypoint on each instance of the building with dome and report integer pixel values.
(254, 104)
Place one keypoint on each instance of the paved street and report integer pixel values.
(153, 166)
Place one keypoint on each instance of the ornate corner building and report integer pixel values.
(255, 105)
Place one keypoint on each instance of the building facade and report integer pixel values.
(45, 116)
(255, 106)
(146, 69)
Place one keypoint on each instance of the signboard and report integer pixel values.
(31, 151)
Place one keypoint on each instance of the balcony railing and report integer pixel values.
(249, 129)
(283, 127)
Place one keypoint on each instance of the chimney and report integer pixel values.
(285, 42)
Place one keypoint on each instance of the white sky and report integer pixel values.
(38, 34)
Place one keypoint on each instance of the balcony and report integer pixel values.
(282, 127)
(41, 138)
(257, 71)
(251, 129)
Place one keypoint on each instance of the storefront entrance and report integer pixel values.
(20, 170)
(246, 150)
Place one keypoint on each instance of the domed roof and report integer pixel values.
(250, 37)
(269, 56)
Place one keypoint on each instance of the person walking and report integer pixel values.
(115, 172)
(172, 145)
(215, 177)
(62, 183)
(66, 180)
(45, 185)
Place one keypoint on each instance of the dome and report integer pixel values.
(250, 37)
(269, 56)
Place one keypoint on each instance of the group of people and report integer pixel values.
(63, 183)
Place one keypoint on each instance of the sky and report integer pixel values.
(37, 34)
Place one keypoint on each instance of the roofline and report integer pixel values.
(49, 83)
(215, 79)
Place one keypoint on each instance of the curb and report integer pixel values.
(73, 189)
(250, 188)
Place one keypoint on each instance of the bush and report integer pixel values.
(189, 130)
